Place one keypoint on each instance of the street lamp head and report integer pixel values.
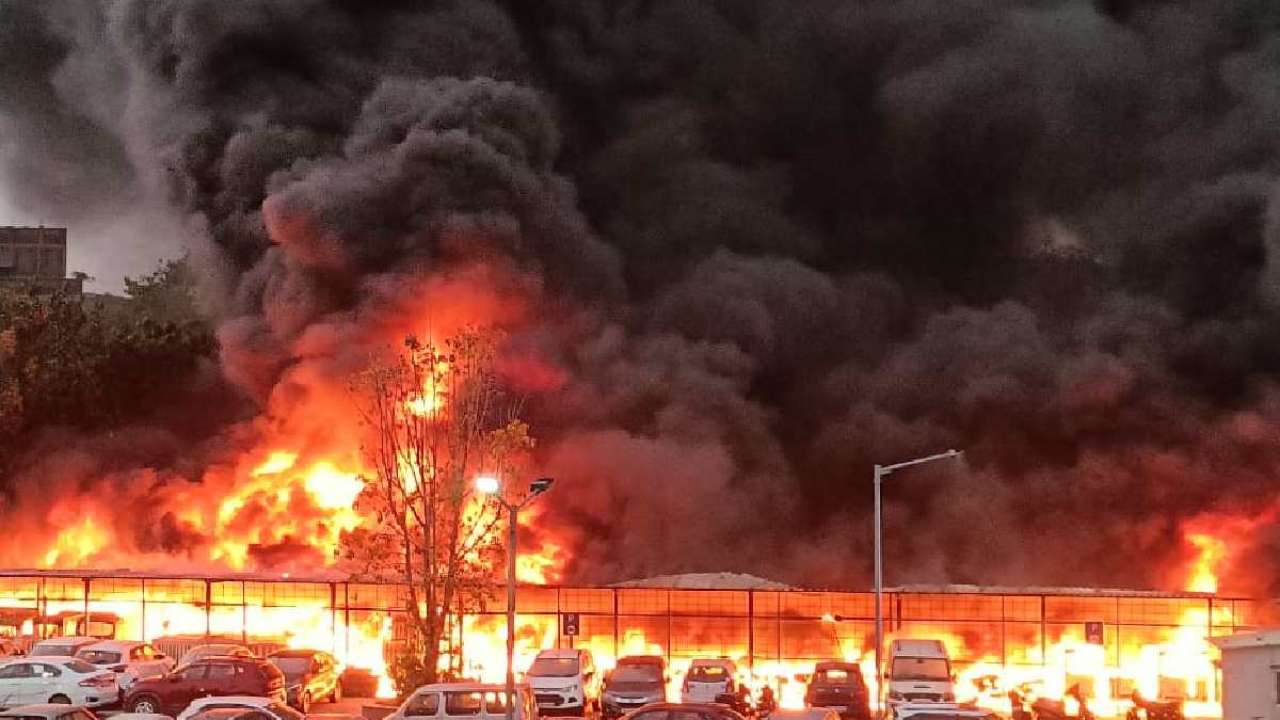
(541, 485)
(488, 484)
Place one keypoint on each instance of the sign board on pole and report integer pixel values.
(1093, 633)
(569, 623)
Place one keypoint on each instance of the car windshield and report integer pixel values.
(52, 649)
(99, 657)
(292, 665)
(833, 676)
(79, 666)
(708, 674)
(637, 673)
(908, 668)
(554, 667)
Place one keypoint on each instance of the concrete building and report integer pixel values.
(36, 257)
(1250, 675)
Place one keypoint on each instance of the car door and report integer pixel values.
(15, 684)
(220, 680)
(186, 686)
(48, 682)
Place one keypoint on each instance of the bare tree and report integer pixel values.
(437, 417)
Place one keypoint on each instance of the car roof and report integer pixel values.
(247, 700)
(296, 652)
(114, 645)
(712, 662)
(206, 646)
(41, 659)
(641, 660)
(224, 711)
(63, 639)
(47, 709)
(467, 687)
(707, 707)
(561, 653)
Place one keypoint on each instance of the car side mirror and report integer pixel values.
(161, 656)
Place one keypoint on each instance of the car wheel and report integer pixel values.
(304, 703)
(60, 700)
(145, 704)
(336, 695)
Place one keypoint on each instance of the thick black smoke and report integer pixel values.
(775, 241)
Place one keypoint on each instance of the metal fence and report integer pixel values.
(752, 626)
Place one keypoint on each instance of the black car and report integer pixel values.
(839, 686)
(637, 680)
(310, 676)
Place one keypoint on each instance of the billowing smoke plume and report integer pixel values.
(756, 246)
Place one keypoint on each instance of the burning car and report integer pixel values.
(841, 687)
(310, 675)
(636, 680)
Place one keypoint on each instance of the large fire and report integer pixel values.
(286, 502)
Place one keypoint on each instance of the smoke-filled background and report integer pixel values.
(756, 245)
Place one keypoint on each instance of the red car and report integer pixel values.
(170, 694)
(683, 711)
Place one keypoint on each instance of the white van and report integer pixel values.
(708, 679)
(465, 701)
(565, 682)
(919, 672)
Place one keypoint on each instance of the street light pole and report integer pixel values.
(512, 510)
(489, 485)
(881, 472)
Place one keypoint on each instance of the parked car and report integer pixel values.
(841, 687)
(940, 711)
(565, 682)
(214, 676)
(57, 680)
(200, 652)
(130, 661)
(273, 709)
(9, 648)
(66, 646)
(708, 679)
(49, 711)
(683, 711)
(309, 676)
(636, 680)
(465, 701)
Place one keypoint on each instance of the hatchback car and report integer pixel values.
(130, 661)
(839, 686)
(172, 692)
(708, 679)
(635, 681)
(309, 675)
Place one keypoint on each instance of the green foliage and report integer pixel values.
(166, 295)
(408, 670)
(73, 364)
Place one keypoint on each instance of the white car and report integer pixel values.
(45, 711)
(465, 701)
(708, 679)
(271, 707)
(61, 646)
(940, 711)
(59, 680)
(130, 661)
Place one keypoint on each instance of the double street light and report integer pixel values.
(490, 485)
(881, 472)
